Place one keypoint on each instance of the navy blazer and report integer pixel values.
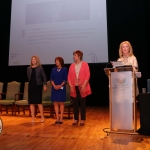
(40, 75)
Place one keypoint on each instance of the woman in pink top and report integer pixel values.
(78, 79)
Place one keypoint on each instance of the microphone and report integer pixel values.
(107, 64)
(136, 67)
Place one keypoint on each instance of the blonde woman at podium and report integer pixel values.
(126, 55)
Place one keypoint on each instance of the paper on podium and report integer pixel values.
(117, 64)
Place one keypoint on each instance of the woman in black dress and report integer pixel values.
(36, 76)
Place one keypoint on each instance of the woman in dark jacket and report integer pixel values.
(36, 76)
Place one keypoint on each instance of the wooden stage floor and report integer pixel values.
(20, 134)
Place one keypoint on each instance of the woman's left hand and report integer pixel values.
(45, 88)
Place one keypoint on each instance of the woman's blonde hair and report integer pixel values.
(130, 49)
(38, 63)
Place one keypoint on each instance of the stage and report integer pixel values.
(20, 134)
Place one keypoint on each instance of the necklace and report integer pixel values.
(125, 60)
(58, 69)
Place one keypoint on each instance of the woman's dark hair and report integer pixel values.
(79, 53)
(61, 60)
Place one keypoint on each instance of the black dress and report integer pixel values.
(34, 90)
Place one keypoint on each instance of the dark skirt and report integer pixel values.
(35, 94)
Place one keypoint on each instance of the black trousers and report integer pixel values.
(79, 103)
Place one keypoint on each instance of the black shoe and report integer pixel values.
(81, 124)
(60, 122)
(56, 122)
(75, 123)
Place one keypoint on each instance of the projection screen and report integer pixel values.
(51, 28)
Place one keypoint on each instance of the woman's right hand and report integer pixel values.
(55, 87)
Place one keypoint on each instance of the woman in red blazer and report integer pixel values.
(78, 79)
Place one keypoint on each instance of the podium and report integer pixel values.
(122, 102)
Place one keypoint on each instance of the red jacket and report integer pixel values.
(84, 74)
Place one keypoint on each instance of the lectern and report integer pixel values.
(122, 102)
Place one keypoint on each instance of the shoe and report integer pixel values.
(75, 123)
(81, 124)
(33, 121)
(56, 122)
(60, 122)
(42, 120)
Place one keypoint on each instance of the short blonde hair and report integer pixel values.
(130, 49)
(37, 60)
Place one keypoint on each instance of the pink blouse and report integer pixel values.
(84, 74)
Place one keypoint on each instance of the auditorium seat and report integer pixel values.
(1, 91)
(47, 103)
(22, 102)
(68, 102)
(1, 87)
(12, 88)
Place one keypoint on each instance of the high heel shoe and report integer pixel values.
(42, 120)
(61, 120)
(33, 120)
(56, 122)
(75, 123)
(81, 124)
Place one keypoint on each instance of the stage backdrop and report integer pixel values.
(126, 20)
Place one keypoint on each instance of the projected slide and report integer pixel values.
(51, 28)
